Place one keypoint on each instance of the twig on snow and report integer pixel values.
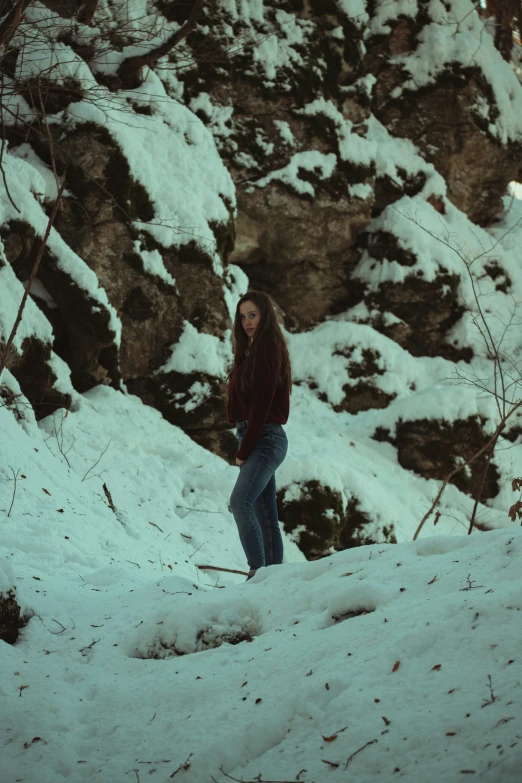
(493, 697)
(54, 633)
(88, 647)
(228, 570)
(58, 623)
(371, 742)
(196, 550)
(470, 586)
(259, 779)
(109, 498)
(183, 765)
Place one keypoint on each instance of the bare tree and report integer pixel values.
(506, 381)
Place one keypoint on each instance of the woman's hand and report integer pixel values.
(239, 461)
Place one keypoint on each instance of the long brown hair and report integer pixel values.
(268, 329)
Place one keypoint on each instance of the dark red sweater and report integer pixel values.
(267, 401)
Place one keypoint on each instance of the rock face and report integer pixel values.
(296, 216)
(448, 121)
(314, 145)
(282, 237)
(303, 215)
(124, 273)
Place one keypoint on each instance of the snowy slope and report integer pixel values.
(120, 668)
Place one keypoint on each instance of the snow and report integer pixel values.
(515, 189)
(279, 50)
(219, 117)
(39, 290)
(319, 163)
(361, 190)
(378, 148)
(174, 156)
(236, 284)
(355, 10)
(50, 189)
(400, 370)
(199, 352)
(7, 578)
(153, 263)
(351, 146)
(33, 322)
(386, 12)
(426, 669)
(285, 131)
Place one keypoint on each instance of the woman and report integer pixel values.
(259, 388)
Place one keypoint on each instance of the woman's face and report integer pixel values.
(250, 317)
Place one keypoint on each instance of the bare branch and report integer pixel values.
(130, 69)
(228, 570)
(12, 21)
(34, 271)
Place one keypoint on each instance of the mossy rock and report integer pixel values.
(172, 393)
(10, 617)
(318, 515)
(427, 327)
(222, 442)
(432, 448)
(322, 525)
(363, 396)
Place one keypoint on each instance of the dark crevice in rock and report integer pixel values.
(339, 618)
(356, 524)
(319, 510)
(32, 370)
(138, 306)
(206, 639)
(11, 619)
(363, 397)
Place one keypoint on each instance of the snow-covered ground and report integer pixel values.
(374, 664)
(127, 670)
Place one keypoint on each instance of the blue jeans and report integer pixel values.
(253, 499)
